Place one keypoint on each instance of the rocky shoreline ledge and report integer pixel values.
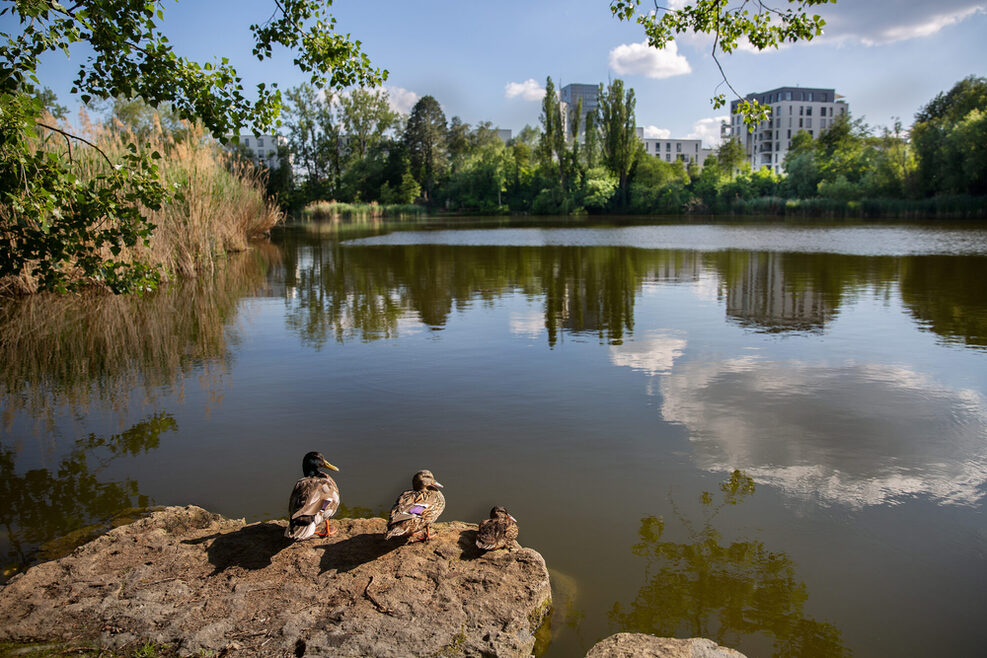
(206, 585)
(203, 585)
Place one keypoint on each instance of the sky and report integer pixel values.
(489, 61)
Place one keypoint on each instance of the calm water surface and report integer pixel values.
(771, 435)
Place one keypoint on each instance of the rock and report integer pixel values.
(199, 582)
(639, 645)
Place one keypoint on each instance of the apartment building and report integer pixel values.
(791, 109)
(670, 150)
(263, 149)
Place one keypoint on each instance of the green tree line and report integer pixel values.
(353, 148)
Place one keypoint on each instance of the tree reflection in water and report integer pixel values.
(43, 505)
(706, 587)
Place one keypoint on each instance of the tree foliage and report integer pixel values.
(615, 117)
(950, 140)
(425, 139)
(62, 230)
(756, 21)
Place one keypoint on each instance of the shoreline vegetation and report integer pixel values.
(219, 201)
(360, 153)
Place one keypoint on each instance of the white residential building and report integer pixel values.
(670, 150)
(791, 109)
(263, 149)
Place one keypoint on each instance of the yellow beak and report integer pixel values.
(329, 466)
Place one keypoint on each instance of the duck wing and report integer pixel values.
(409, 505)
(314, 495)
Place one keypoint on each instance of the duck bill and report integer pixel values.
(329, 466)
(512, 518)
(435, 485)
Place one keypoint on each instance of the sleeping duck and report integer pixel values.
(498, 531)
(415, 511)
(314, 499)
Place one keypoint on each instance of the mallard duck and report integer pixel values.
(314, 499)
(415, 511)
(498, 531)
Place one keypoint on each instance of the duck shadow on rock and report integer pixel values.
(467, 542)
(350, 553)
(252, 547)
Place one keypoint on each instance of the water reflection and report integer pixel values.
(948, 296)
(854, 433)
(43, 504)
(731, 592)
(85, 350)
(341, 292)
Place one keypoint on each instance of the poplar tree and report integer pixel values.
(619, 141)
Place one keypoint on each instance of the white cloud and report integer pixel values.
(401, 99)
(708, 130)
(642, 59)
(654, 132)
(876, 23)
(528, 90)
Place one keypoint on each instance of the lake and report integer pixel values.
(770, 434)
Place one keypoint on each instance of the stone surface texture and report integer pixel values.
(201, 583)
(639, 645)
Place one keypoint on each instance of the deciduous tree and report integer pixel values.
(425, 139)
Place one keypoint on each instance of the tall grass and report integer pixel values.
(220, 203)
(335, 211)
(939, 207)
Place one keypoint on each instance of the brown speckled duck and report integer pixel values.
(415, 511)
(314, 499)
(499, 531)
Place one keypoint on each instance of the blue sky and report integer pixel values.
(488, 61)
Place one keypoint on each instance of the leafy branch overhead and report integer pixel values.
(728, 22)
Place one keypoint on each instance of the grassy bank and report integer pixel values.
(336, 211)
(217, 205)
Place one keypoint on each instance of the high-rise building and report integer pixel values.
(791, 109)
(572, 93)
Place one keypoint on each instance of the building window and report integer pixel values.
(788, 95)
(246, 142)
(260, 141)
(801, 110)
(668, 146)
(808, 123)
(789, 134)
(810, 95)
(800, 123)
(808, 111)
(678, 147)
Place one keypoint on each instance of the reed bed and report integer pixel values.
(335, 211)
(938, 207)
(219, 205)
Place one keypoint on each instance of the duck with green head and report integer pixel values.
(313, 501)
(415, 511)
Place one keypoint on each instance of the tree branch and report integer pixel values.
(81, 139)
